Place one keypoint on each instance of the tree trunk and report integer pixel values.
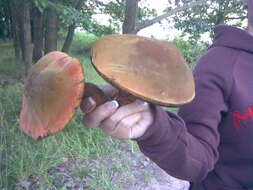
(25, 33)
(69, 38)
(37, 34)
(130, 17)
(8, 23)
(15, 30)
(51, 29)
(71, 30)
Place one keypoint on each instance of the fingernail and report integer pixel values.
(112, 105)
(88, 104)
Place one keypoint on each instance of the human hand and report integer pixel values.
(126, 122)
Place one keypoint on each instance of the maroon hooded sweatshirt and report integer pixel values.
(210, 141)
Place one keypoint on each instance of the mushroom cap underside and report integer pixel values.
(150, 69)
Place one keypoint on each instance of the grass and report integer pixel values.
(21, 157)
(10, 68)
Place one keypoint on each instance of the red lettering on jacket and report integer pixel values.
(237, 116)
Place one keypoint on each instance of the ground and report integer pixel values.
(135, 172)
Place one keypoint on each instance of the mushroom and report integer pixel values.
(139, 67)
(149, 69)
(50, 96)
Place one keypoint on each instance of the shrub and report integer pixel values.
(82, 42)
(191, 51)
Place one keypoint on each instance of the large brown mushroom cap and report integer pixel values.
(150, 69)
(52, 92)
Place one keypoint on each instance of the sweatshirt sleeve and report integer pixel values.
(186, 145)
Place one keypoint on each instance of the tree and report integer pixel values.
(51, 28)
(129, 23)
(203, 18)
(71, 28)
(130, 15)
(137, 18)
(38, 32)
(169, 12)
(15, 29)
(24, 21)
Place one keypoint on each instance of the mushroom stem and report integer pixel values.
(93, 91)
(99, 96)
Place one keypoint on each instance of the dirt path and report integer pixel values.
(149, 176)
(124, 171)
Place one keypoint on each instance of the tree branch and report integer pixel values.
(147, 23)
(236, 18)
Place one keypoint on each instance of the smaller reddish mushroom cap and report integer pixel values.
(149, 69)
(52, 92)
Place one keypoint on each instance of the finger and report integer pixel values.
(94, 118)
(124, 111)
(88, 104)
(123, 129)
(141, 125)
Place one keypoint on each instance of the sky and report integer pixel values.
(163, 30)
(156, 30)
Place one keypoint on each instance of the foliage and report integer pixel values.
(82, 42)
(190, 50)
(80, 16)
(84, 18)
(116, 10)
(42, 4)
(10, 68)
(99, 29)
(201, 19)
(145, 13)
(4, 19)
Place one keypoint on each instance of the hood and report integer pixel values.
(232, 37)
